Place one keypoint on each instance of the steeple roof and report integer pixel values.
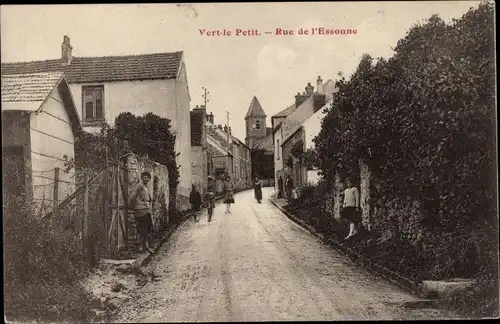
(255, 109)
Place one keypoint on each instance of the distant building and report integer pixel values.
(225, 155)
(289, 130)
(104, 87)
(39, 127)
(259, 139)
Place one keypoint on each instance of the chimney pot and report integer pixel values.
(309, 89)
(319, 85)
(66, 50)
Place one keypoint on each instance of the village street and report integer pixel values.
(256, 265)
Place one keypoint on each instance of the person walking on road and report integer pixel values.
(280, 187)
(195, 201)
(210, 199)
(141, 202)
(257, 188)
(289, 188)
(229, 195)
(350, 208)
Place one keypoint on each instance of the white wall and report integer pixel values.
(278, 156)
(165, 98)
(51, 138)
(312, 126)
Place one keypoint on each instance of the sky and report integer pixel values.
(233, 68)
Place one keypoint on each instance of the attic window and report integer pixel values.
(93, 103)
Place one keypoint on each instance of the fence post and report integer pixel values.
(86, 214)
(55, 197)
(106, 202)
(125, 200)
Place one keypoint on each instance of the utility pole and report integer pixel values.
(205, 95)
(227, 133)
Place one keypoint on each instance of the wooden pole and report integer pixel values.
(125, 200)
(55, 198)
(86, 226)
(106, 202)
(118, 211)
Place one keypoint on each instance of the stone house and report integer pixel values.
(287, 126)
(104, 87)
(39, 126)
(226, 155)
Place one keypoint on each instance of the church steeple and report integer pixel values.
(255, 109)
(255, 120)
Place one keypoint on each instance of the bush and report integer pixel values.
(424, 121)
(42, 268)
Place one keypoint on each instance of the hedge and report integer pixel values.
(424, 121)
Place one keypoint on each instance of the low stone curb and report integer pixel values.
(390, 275)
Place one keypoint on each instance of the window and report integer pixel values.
(278, 149)
(93, 107)
(257, 124)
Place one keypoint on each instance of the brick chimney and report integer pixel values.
(219, 127)
(229, 129)
(66, 50)
(319, 100)
(309, 89)
(211, 118)
(225, 128)
(319, 85)
(299, 99)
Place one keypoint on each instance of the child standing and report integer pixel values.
(350, 207)
(210, 198)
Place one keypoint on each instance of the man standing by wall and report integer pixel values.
(141, 202)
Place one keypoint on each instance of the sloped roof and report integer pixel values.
(255, 109)
(290, 124)
(28, 87)
(285, 112)
(105, 68)
(28, 92)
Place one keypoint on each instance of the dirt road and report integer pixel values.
(256, 265)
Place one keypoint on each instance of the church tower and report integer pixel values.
(255, 121)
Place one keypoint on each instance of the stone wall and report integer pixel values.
(364, 193)
(158, 186)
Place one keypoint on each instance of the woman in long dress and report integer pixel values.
(258, 189)
(229, 195)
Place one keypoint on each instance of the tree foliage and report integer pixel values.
(262, 164)
(148, 135)
(425, 121)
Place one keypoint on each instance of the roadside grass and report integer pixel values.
(43, 268)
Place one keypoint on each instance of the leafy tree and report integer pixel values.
(425, 121)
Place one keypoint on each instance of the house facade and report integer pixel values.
(311, 128)
(199, 147)
(287, 125)
(104, 87)
(226, 155)
(39, 127)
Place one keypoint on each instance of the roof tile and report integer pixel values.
(28, 87)
(105, 68)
